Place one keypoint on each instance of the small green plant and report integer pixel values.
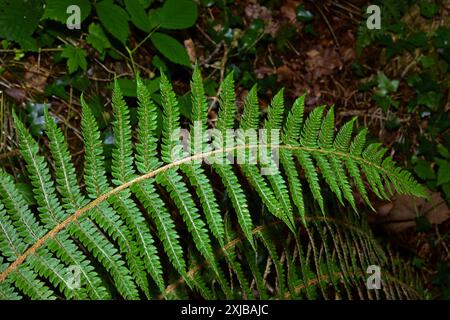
(382, 95)
(410, 35)
(113, 24)
(432, 162)
(130, 223)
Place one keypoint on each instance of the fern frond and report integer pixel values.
(179, 193)
(238, 199)
(294, 121)
(205, 193)
(94, 167)
(276, 112)
(28, 283)
(199, 102)
(227, 104)
(146, 154)
(171, 121)
(228, 177)
(52, 213)
(232, 259)
(295, 184)
(274, 122)
(122, 170)
(26, 231)
(124, 222)
(23, 219)
(250, 120)
(146, 160)
(194, 171)
(96, 184)
(85, 230)
(290, 135)
(7, 289)
(250, 117)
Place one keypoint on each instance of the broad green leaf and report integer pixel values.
(76, 58)
(431, 99)
(385, 84)
(154, 17)
(427, 62)
(185, 104)
(114, 19)
(441, 36)
(128, 86)
(418, 39)
(138, 15)
(170, 48)
(303, 14)
(178, 14)
(443, 172)
(443, 151)
(97, 38)
(428, 8)
(57, 9)
(446, 189)
(18, 21)
(146, 3)
(424, 171)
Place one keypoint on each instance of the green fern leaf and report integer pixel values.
(125, 222)
(51, 212)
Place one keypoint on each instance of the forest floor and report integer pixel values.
(320, 63)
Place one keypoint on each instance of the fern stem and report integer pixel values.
(94, 203)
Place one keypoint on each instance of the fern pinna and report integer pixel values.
(158, 227)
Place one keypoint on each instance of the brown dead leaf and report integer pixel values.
(262, 72)
(322, 61)
(190, 48)
(424, 250)
(347, 53)
(17, 94)
(34, 76)
(288, 9)
(436, 210)
(402, 212)
(285, 73)
(385, 209)
(256, 11)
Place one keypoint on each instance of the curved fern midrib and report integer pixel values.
(73, 217)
